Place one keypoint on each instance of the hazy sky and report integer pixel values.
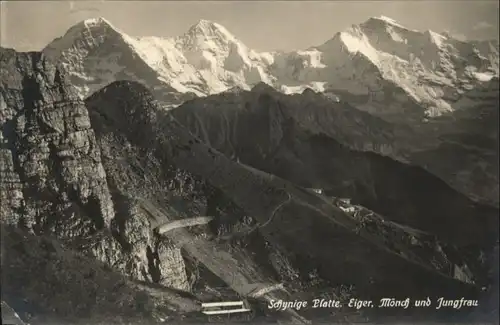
(262, 25)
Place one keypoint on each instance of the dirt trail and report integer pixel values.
(279, 206)
(236, 270)
(183, 223)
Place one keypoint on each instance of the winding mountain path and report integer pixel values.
(183, 223)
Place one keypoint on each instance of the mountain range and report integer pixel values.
(142, 176)
(406, 77)
(386, 68)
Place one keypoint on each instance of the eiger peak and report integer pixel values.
(95, 23)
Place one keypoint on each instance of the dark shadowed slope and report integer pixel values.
(331, 147)
(311, 230)
(46, 284)
(465, 149)
(467, 161)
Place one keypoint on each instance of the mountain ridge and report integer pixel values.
(468, 136)
(372, 60)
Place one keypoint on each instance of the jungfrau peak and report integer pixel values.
(425, 69)
(379, 65)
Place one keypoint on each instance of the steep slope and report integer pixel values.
(463, 144)
(52, 177)
(460, 147)
(328, 147)
(53, 181)
(476, 113)
(47, 283)
(379, 65)
(467, 134)
(126, 116)
(55, 184)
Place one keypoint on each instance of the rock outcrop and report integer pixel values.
(53, 180)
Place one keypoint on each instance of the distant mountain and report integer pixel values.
(379, 65)
(390, 67)
(206, 59)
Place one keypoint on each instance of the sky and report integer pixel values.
(261, 25)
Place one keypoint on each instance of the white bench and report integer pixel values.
(217, 308)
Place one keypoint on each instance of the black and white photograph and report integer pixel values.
(249, 162)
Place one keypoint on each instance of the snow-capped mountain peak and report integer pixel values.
(208, 35)
(356, 42)
(383, 21)
(87, 33)
(386, 19)
(99, 25)
(95, 53)
(208, 29)
(428, 68)
(437, 38)
(99, 21)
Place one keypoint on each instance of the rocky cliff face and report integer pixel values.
(60, 182)
(45, 282)
(53, 180)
